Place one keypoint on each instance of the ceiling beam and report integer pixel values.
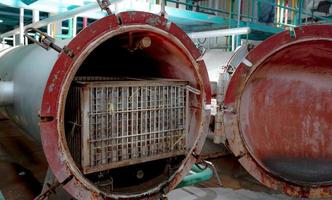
(28, 2)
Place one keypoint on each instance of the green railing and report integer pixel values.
(287, 13)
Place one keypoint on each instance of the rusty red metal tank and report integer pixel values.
(136, 63)
(278, 112)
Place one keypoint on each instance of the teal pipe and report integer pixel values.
(70, 34)
(1, 196)
(197, 176)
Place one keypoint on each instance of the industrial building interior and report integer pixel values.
(165, 99)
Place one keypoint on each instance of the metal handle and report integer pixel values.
(47, 42)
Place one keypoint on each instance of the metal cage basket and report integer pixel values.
(128, 122)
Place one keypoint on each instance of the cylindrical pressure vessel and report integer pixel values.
(124, 117)
(278, 113)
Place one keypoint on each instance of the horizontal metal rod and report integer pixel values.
(220, 33)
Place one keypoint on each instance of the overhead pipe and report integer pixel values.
(56, 18)
(220, 33)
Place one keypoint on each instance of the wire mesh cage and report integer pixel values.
(129, 122)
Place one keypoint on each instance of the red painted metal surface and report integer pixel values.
(64, 70)
(278, 116)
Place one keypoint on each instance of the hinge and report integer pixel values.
(104, 5)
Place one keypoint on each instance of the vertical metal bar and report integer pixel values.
(233, 43)
(107, 133)
(49, 29)
(133, 120)
(146, 121)
(166, 121)
(238, 21)
(35, 19)
(163, 8)
(14, 40)
(137, 122)
(127, 116)
(122, 123)
(35, 16)
(159, 118)
(150, 120)
(300, 12)
(117, 123)
(85, 22)
(142, 124)
(149, 140)
(102, 124)
(114, 132)
(86, 105)
(278, 13)
(186, 115)
(22, 26)
(171, 119)
(74, 26)
(252, 10)
(282, 13)
(156, 117)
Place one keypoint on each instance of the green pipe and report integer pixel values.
(70, 34)
(1, 196)
(197, 176)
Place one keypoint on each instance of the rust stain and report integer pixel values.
(283, 104)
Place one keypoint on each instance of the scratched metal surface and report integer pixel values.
(278, 112)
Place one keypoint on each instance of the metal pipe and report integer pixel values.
(56, 18)
(220, 33)
(196, 175)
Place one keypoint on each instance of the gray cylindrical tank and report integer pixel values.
(27, 69)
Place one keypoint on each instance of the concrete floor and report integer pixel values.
(196, 193)
(22, 164)
(23, 167)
